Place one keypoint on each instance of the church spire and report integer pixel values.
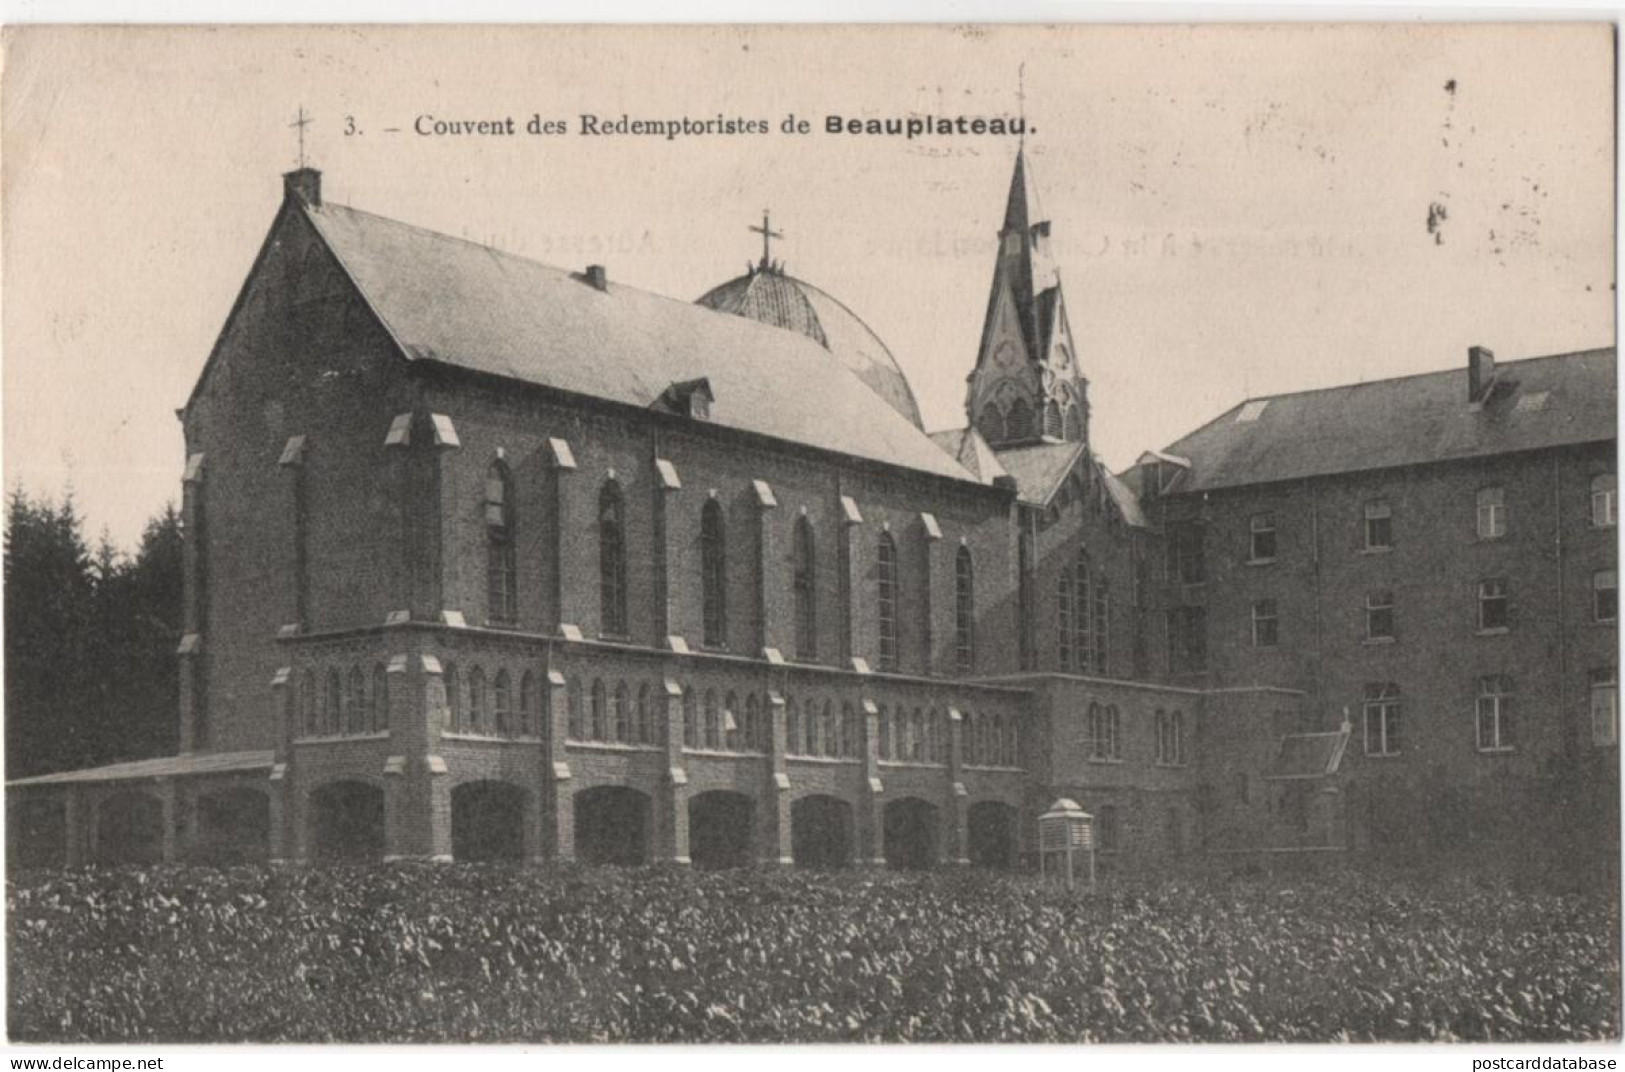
(1026, 386)
(1019, 205)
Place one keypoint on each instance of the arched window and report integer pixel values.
(598, 730)
(502, 704)
(806, 592)
(714, 574)
(454, 698)
(1082, 641)
(355, 703)
(620, 714)
(851, 733)
(1012, 743)
(1072, 423)
(753, 723)
(886, 601)
(713, 721)
(479, 712)
(792, 726)
(1019, 421)
(1063, 631)
(577, 718)
(612, 561)
(307, 703)
(730, 723)
(646, 717)
(380, 699)
(333, 711)
(501, 569)
(990, 423)
(1053, 425)
(529, 712)
(691, 720)
(964, 612)
(809, 726)
(1102, 625)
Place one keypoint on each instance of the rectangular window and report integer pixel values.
(1605, 707)
(1494, 713)
(1603, 487)
(1494, 607)
(1605, 595)
(1187, 562)
(1379, 525)
(1381, 718)
(1104, 740)
(1266, 626)
(1379, 615)
(1187, 639)
(1492, 514)
(1262, 547)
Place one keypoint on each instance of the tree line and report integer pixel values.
(90, 674)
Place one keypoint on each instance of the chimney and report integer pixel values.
(304, 185)
(1480, 372)
(597, 278)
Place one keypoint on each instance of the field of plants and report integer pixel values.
(469, 953)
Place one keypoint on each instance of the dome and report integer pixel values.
(770, 296)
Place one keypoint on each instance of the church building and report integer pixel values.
(488, 559)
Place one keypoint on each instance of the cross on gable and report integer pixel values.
(301, 123)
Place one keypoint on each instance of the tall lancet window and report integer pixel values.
(886, 601)
(501, 568)
(714, 574)
(612, 561)
(964, 612)
(804, 582)
(1082, 601)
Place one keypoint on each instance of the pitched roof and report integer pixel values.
(163, 767)
(970, 450)
(450, 300)
(1039, 468)
(1127, 502)
(1541, 402)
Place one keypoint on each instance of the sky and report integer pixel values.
(1237, 210)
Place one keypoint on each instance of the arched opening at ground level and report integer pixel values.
(821, 832)
(990, 829)
(910, 828)
(37, 830)
(130, 829)
(488, 822)
(720, 830)
(612, 826)
(347, 822)
(232, 826)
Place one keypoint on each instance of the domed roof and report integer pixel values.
(770, 296)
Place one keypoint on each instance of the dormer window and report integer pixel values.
(690, 398)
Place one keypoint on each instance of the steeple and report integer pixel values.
(1026, 386)
(1016, 211)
